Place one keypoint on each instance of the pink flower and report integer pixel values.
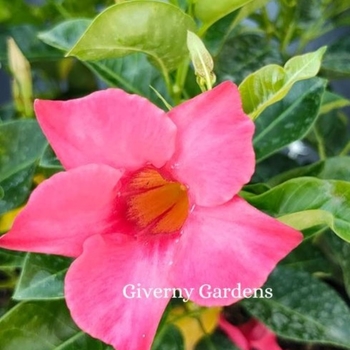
(250, 335)
(149, 200)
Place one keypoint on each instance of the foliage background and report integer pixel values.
(310, 308)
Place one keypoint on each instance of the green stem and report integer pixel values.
(345, 150)
(320, 144)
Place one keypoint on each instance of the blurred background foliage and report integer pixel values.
(241, 40)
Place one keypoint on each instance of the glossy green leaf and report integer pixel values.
(209, 11)
(43, 326)
(16, 189)
(303, 308)
(133, 73)
(289, 119)
(154, 28)
(271, 83)
(307, 202)
(42, 277)
(21, 144)
(333, 101)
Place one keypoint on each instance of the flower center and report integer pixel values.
(155, 203)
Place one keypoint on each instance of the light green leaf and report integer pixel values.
(154, 28)
(333, 101)
(271, 83)
(42, 277)
(209, 11)
(290, 119)
(303, 308)
(43, 326)
(307, 202)
(133, 73)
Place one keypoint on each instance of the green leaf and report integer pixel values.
(231, 62)
(308, 257)
(133, 73)
(10, 259)
(303, 308)
(336, 63)
(271, 83)
(169, 338)
(336, 168)
(42, 277)
(16, 189)
(333, 101)
(339, 252)
(209, 11)
(154, 28)
(43, 326)
(307, 202)
(21, 144)
(215, 341)
(1, 192)
(290, 119)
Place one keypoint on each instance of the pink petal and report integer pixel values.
(94, 289)
(235, 334)
(214, 153)
(230, 244)
(64, 210)
(250, 335)
(109, 127)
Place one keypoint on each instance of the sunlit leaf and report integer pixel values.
(209, 11)
(271, 83)
(307, 202)
(154, 28)
(303, 308)
(133, 73)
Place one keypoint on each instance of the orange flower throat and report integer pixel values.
(155, 203)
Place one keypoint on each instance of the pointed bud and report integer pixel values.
(202, 61)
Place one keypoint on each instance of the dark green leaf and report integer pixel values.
(42, 277)
(303, 308)
(232, 63)
(43, 326)
(21, 144)
(10, 259)
(169, 338)
(16, 189)
(289, 119)
(215, 341)
(339, 252)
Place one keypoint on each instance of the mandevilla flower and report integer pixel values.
(149, 199)
(250, 335)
